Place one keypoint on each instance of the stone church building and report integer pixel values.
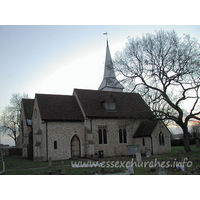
(90, 123)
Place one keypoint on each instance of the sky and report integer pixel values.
(57, 59)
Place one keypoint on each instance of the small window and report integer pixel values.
(35, 113)
(161, 139)
(109, 103)
(143, 141)
(102, 135)
(110, 106)
(55, 144)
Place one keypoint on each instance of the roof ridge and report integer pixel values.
(53, 94)
(104, 91)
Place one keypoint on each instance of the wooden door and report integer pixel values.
(75, 147)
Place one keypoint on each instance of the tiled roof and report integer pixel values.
(146, 128)
(59, 108)
(128, 105)
(28, 107)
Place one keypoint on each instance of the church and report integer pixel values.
(90, 123)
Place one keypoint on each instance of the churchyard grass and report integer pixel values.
(16, 165)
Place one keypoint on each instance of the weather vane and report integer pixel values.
(106, 33)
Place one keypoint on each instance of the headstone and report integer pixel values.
(182, 154)
(197, 143)
(132, 149)
(148, 153)
(63, 172)
(198, 167)
(138, 157)
(161, 171)
(180, 168)
(129, 170)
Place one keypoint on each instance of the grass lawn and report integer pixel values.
(16, 165)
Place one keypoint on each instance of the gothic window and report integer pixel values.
(55, 144)
(161, 139)
(122, 135)
(102, 135)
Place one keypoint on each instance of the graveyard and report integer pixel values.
(143, 165)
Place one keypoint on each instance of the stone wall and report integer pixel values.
(87, 132)
(39, 135)
(24, 134)
(113, 146)
(157, 148)
(62, 133)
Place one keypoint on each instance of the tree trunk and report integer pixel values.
(15, 141)
(186, 138)
(15, 137)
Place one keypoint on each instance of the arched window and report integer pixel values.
(102, 135)
(161, 139)
(122, 135)
(55, 144)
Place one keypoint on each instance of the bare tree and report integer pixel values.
(10, 118)
(165, 70)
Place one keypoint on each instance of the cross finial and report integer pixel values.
(106, 33)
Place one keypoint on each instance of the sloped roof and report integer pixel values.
(59, 108)
(146, 128)
(128, 105)
(28, 107)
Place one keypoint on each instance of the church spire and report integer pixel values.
(110, 83)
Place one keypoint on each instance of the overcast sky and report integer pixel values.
(57, 59)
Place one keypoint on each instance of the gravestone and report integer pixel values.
(180, 168)
(63, 172)
(198, 167)
(162, 171)
(197, 143)
(132, 149)
(138, 157)
(182, 154)
(148, 153)
(129, 170)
